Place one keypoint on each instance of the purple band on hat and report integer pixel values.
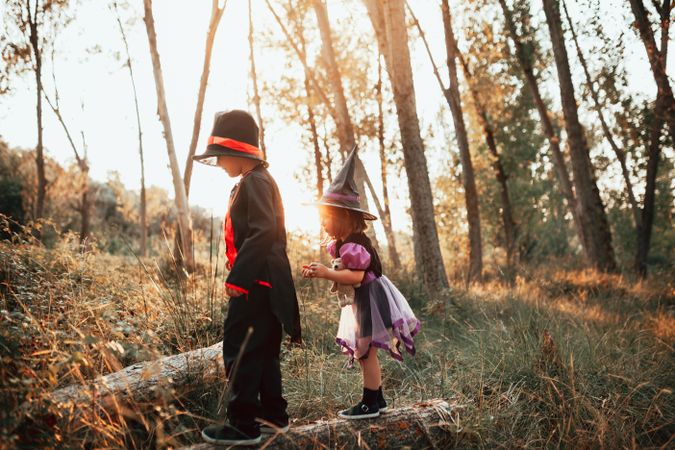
(336, 196)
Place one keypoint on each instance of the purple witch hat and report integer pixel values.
(342, 192)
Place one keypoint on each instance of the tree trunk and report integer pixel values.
(182, 206)
(656, 59)
(553, 139)
(394, 259)
(510, 227)
(345, 129)
(254, 76)
(592, 211)
(216, 14)
(143, 209)
(85, 213)
(389, 24)
(644, 231)
(470, 192)
(39, 150)
(620, 154)
(425, 425)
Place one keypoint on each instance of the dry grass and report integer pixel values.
(601, 378)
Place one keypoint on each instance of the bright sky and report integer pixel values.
(101, 83)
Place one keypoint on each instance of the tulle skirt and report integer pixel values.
(380, 317)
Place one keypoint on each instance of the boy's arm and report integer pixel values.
(262, 229)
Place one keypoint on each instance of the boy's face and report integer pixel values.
(230, 164)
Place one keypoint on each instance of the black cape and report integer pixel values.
(257, 218)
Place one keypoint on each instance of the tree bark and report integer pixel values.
(470, 192)
(143, 209)
(644, 231)
(553, 139)
(619, 152)
(39, 150)
(216, 14)
(345, 129)
(385, 215)
(390, 30)
(510, 227)
(254, 76)
(182, 206)
(656, 59)
(424, 425)
(592, 211)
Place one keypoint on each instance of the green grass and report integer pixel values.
(606, 380)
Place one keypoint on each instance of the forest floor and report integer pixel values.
(555, 358)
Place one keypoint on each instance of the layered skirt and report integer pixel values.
(379, 317)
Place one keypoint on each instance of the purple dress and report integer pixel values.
(380, 315)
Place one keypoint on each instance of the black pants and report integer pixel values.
(256, 385)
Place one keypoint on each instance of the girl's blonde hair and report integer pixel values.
(347, 221)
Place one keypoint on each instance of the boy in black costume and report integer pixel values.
(260, 284)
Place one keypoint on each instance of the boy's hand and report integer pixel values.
(228, 266)
(314, 270)
(232, 292)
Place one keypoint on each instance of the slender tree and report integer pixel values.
(525, 61)
(619, 152)
(657, 60)
(214, 21)
(644, 230)
(182, 205)
(81, 159)
(254, 77)
(345, 128)
(24, 46)
(392, 37)
(592, 211)
(386, 212)
(454, 100)
(143, 209)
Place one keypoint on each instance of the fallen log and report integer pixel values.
(139, 383)
(431, 424)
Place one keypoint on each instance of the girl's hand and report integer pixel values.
(314, 270)
(228, 266)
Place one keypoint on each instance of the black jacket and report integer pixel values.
(259, 235)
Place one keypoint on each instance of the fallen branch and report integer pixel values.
(431, 424)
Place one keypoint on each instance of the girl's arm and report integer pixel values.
(345, 276)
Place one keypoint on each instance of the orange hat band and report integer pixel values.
(236, 145)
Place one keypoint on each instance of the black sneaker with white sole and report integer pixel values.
(228, 435)
(360, 411)
(381, 402)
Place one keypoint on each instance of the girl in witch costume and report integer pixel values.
(380, 317)
(260, 285)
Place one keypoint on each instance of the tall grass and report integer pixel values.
(555, 358)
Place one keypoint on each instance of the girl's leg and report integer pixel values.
(370, 369)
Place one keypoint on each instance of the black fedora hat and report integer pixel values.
(235, 133)
(342, 192)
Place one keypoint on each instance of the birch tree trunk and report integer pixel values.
(143, 209)
(553, 139)
(390, 30)
(216, 15)
(470, 193)
(182, 206)
(592, 211)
